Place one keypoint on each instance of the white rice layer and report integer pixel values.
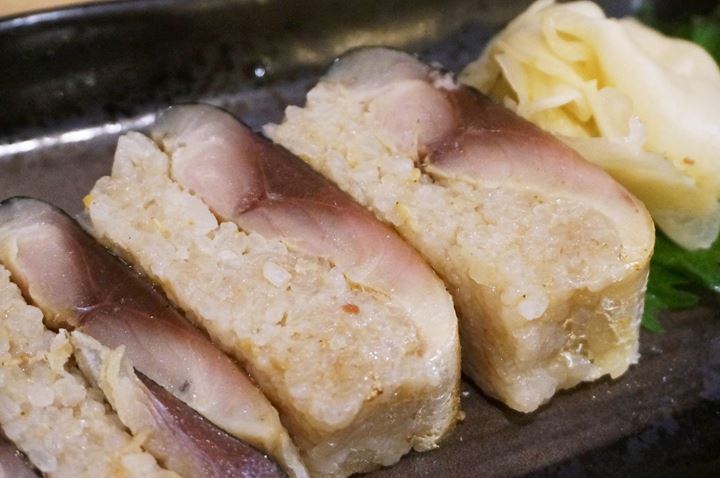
(50, 411)
(529, 272)
(331, 356)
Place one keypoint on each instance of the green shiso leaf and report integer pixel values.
(674, 274)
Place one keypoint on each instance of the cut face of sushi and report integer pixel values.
(546, 256)
(13, 464)
(81, 286)
(176, 434)
(288, 201)
(49, 410)
(344, 327)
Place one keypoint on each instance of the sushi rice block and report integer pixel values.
(343, 326)
(80, 286)
(545, 255)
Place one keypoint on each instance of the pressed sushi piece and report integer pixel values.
(81, 286)
(13, 464)
(545, 255)
(345, 328)
(48, 409)
(175, 433)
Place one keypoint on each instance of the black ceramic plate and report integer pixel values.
(72, 80)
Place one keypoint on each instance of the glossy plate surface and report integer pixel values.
(73, 80)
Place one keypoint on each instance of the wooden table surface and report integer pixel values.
(16, 7)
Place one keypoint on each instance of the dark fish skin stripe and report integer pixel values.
(226, 456)
(13, 463)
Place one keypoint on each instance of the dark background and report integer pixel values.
(71, 81)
